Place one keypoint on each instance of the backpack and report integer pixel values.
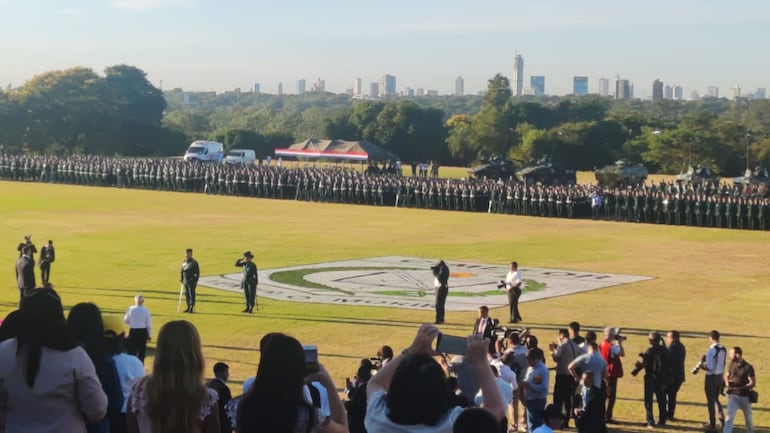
(661, 365)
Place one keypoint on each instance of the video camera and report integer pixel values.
(639, 366)
(617, 336)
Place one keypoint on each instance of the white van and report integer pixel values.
(209, 151)
(240, 156)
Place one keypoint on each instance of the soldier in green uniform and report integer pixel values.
(189, 278)
(249, 280)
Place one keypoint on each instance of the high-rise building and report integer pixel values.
(431, 92)
(407, 92)
(622, 89)
(694, 95)
(537, 83)
(735, 92)
(319, 86)
(301, 86)
(256, 87)
(630, 90)
(388, 85)
(712, 92)
(517, 84)
(280, 89)
(678, 93)
(459, 86)
(358, 87)
(420, 92)
(760, 93)
(374, 89)
(580, 85)
(657, 90)
(668, 92)
(604, 86)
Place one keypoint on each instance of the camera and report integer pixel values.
(501, 284)
(698, 366)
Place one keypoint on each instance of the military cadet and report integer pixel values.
(249, 280)
(189, 278)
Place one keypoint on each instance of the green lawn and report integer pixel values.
(112, 244)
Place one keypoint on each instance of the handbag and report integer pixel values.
(753, 396)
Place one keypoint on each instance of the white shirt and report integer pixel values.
(130, 369)
(715, 360)
(138, 317)
(506, 392)
(377, 420)
(506, 373)
(513, 278)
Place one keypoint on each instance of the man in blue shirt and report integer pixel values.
(535, 388)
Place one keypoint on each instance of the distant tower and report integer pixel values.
(604, 86)
(517, 85)
(459, 86)
(678, 93)
(668, 92)
(280, 89)
(537, 83)
(256, 88)
(735, 92)
(374, 90)
(657, 90)
(712, 92)
(357, 87)
(388, 85)
(301, 86)
(622, 89)
(580, 85)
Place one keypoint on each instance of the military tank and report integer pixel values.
(494, 168)
(698, 174)
(622, 173)
(545, 172)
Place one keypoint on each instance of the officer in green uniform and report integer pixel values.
(189, 278)
(249, 280)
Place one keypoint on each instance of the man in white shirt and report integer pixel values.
(140, 329)
(714, 366)
(513, 284)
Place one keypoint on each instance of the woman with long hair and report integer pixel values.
(85, 326)
(173, 398)
(276, 402)
(49, 381)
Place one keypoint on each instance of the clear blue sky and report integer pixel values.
(225, 44)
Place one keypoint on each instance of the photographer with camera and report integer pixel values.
(441, 285)
(656, 363)
(512, 285)
(592, 361)
(740, 382)
(563, 353)
(713, 363)
(612, 350)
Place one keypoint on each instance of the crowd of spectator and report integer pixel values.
(720, 205)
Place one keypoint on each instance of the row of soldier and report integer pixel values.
(709, 205)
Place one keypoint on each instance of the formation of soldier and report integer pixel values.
(705, 205)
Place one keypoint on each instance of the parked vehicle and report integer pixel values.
(240, 156)
(205, 151)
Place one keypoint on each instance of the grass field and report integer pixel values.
(112, 244)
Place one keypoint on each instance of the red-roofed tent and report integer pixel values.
(359, 150)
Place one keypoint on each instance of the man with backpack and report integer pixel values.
(714, 366)
(656, 362)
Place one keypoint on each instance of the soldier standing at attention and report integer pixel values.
(189, 278)
(249, 281)
(47, 256)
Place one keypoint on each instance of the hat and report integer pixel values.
(551, 411)
(113, 322)
(248, 254)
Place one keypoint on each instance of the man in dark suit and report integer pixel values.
(47, 256)
(219, 384)
(441, 285)
(484, 326)
(25, 272)
(27, 242)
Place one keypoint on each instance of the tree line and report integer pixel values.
(122, 113)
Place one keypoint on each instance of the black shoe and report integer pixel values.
(610, 421)
(245, 310)
(251, 310)
(187, 310)
(661, 424)
(191, 310)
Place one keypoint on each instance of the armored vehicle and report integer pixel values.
(622, 173)
(546, 173)
(495, 168)
(698, 174)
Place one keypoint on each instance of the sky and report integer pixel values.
(221, 45)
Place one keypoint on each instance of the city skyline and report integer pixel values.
(695, 44)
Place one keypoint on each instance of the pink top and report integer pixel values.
(65, 395)
(138, 404)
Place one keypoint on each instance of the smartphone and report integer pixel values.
(451, 344)
(311, 358)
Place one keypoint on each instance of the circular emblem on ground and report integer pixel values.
(407, 282)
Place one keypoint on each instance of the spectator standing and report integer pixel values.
(714, 366)
(535, 388)
(740, 380)
(47, 256)
(612, 350)
(219, 384)
(657, 372)
(139, 328)
(25, 272)
(173, 398)
(129, 367)
(678, 353)
(564, 388)
(50, 382)
(513, 284)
